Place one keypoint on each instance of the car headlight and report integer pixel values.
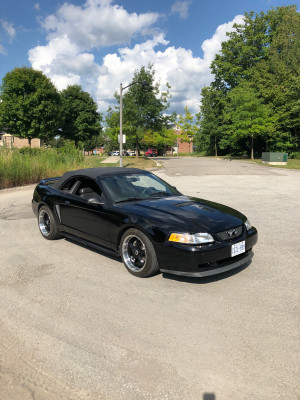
(248, 225)
(187, 238)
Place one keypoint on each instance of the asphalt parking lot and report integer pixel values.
(76, 325)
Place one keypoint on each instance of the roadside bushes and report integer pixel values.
(294, 155)
(30, 165)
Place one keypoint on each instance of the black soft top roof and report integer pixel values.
(97, 172)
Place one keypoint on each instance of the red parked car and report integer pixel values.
(151, 153)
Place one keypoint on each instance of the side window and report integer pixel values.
(85, 188)
(67, 186)
(89, 190)
(85, 185)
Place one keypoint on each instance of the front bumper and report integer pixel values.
(222, 267)
(200, 261)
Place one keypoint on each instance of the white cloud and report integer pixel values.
(181, 8)
(62, 62)
(186, 74)
(213, 45)
(75, 32)
(9, 29)
(37, 6)
(96, 24)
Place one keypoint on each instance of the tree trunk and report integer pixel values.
(252, 149)
(136, 147)
(29, 142)
(216, 148)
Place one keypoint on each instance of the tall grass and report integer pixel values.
(25, 166)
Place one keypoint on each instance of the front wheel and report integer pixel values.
(138, 254)
(47, 224)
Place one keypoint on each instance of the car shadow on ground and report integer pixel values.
(207, 279)
(209, 396)
(202, 281)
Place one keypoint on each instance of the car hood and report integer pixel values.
(186, 213)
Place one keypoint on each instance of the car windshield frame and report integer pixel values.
(136, 187)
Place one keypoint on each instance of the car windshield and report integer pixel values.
(130, 187)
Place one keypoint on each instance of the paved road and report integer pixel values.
(198, 166)
(76, 325)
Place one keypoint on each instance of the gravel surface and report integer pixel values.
(76, 325)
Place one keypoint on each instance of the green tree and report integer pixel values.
(29, 104)
(248, 117)
(152, 139)
(211, 120)
(265, 52)
(94, 142)
(247, 45)
(169, 137)
(143, 109)
(160, 140)
(80, 120)
(277, 79)
(112, 129)
(187, 126)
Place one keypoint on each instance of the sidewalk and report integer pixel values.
(111, 160)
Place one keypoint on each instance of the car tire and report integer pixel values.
(47, 224)
(138, 254)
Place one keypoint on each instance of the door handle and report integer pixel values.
(67, 202)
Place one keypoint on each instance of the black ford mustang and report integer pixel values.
(135, 214)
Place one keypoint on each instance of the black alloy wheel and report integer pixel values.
(47, 224)
(138, 254)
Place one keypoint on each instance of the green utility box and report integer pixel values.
(274, 158)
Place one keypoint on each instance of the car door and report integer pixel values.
(86, 220)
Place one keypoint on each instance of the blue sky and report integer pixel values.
(100, 43)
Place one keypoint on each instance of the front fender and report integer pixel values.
(42, 196)
(154, 233)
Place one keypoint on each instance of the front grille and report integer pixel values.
(230, 233)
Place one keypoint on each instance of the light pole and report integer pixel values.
(144, 85)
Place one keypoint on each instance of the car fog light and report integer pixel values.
(197, 238)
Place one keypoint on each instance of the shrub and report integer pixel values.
(29, 165)
(30, 151)
(294, 155)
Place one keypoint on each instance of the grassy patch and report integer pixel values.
(93, 161)
(19, 168)
(26, 166)
(291, 164)
(140, 162)
(128, 162)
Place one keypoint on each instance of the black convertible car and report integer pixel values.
(149, 223)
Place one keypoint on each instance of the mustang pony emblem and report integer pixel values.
(231, 233)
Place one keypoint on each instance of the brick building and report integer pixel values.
(183, 147)
(10, 141)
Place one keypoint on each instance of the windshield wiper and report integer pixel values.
(129, 199)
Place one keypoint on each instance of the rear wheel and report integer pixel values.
(47, 224)
(138, 254)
